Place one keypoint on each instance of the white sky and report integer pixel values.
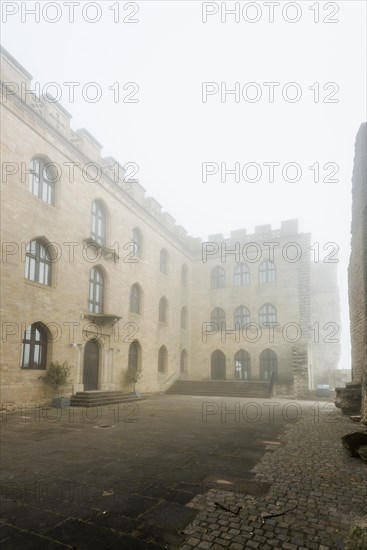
(170, 132)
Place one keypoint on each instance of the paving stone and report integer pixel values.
(222, 542)
(33, 519)
(86, 536)
(259, 538)
(169, 515)
(30, 541)
(193, 541)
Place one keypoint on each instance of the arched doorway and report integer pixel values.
(242, 365)
(268, 364)
(91, 365)
(218, 365)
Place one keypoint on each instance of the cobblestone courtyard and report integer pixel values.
(180, 472)
(321, 489)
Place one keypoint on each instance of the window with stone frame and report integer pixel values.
(137, 239)
(163, 310)
(267, 315)
(162, 359)
(96, 291)
(34, 347)
(135, 299)
(38, 262)
(218, 277)
(163, 261)
(218, 316)
(99, 223)
(42, 179)
(242, 316)
(134, 359)
(241, 275)
(267, 272)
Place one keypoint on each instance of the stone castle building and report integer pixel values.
(96, 274)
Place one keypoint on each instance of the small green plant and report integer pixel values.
(58, 375)
(131, 376)
(357, 537)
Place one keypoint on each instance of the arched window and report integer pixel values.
(38, 262)
(242, 316)
(218, 277)
(135, 299)
(42, 180)
(268, 364)
(99, 223)
(134, 363)
(241, 275)
(184, 316)
(183, 361)
(137, 239)
(267, 315)
(96, 291)
(218, 316)
(163, 310)
(34, 349)
(267, 272)
(242, 365)
(218, 365)
(184, 275)
(163, 261)
(162, 359)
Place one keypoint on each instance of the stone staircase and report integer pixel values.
(226, 388)
(100, 398)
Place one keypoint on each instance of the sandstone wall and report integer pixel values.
(357, 272)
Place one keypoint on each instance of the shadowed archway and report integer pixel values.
(91, 365)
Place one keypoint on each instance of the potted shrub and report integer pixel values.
(58, 376)
(131, 376)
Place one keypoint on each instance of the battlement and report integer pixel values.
(16, 85)
(288, 228)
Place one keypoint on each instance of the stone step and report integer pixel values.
(100, 399)
(221, 388)
(91, 394)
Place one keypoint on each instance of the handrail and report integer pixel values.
(169, 378)
(271, 383)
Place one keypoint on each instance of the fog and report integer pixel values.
(179, 84)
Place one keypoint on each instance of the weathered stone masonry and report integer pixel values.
(353, 398)
(357, 272)
(163, 330)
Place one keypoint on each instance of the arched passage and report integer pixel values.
(91, 365)
(268, 364)
(242, 365)
(218, 365)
